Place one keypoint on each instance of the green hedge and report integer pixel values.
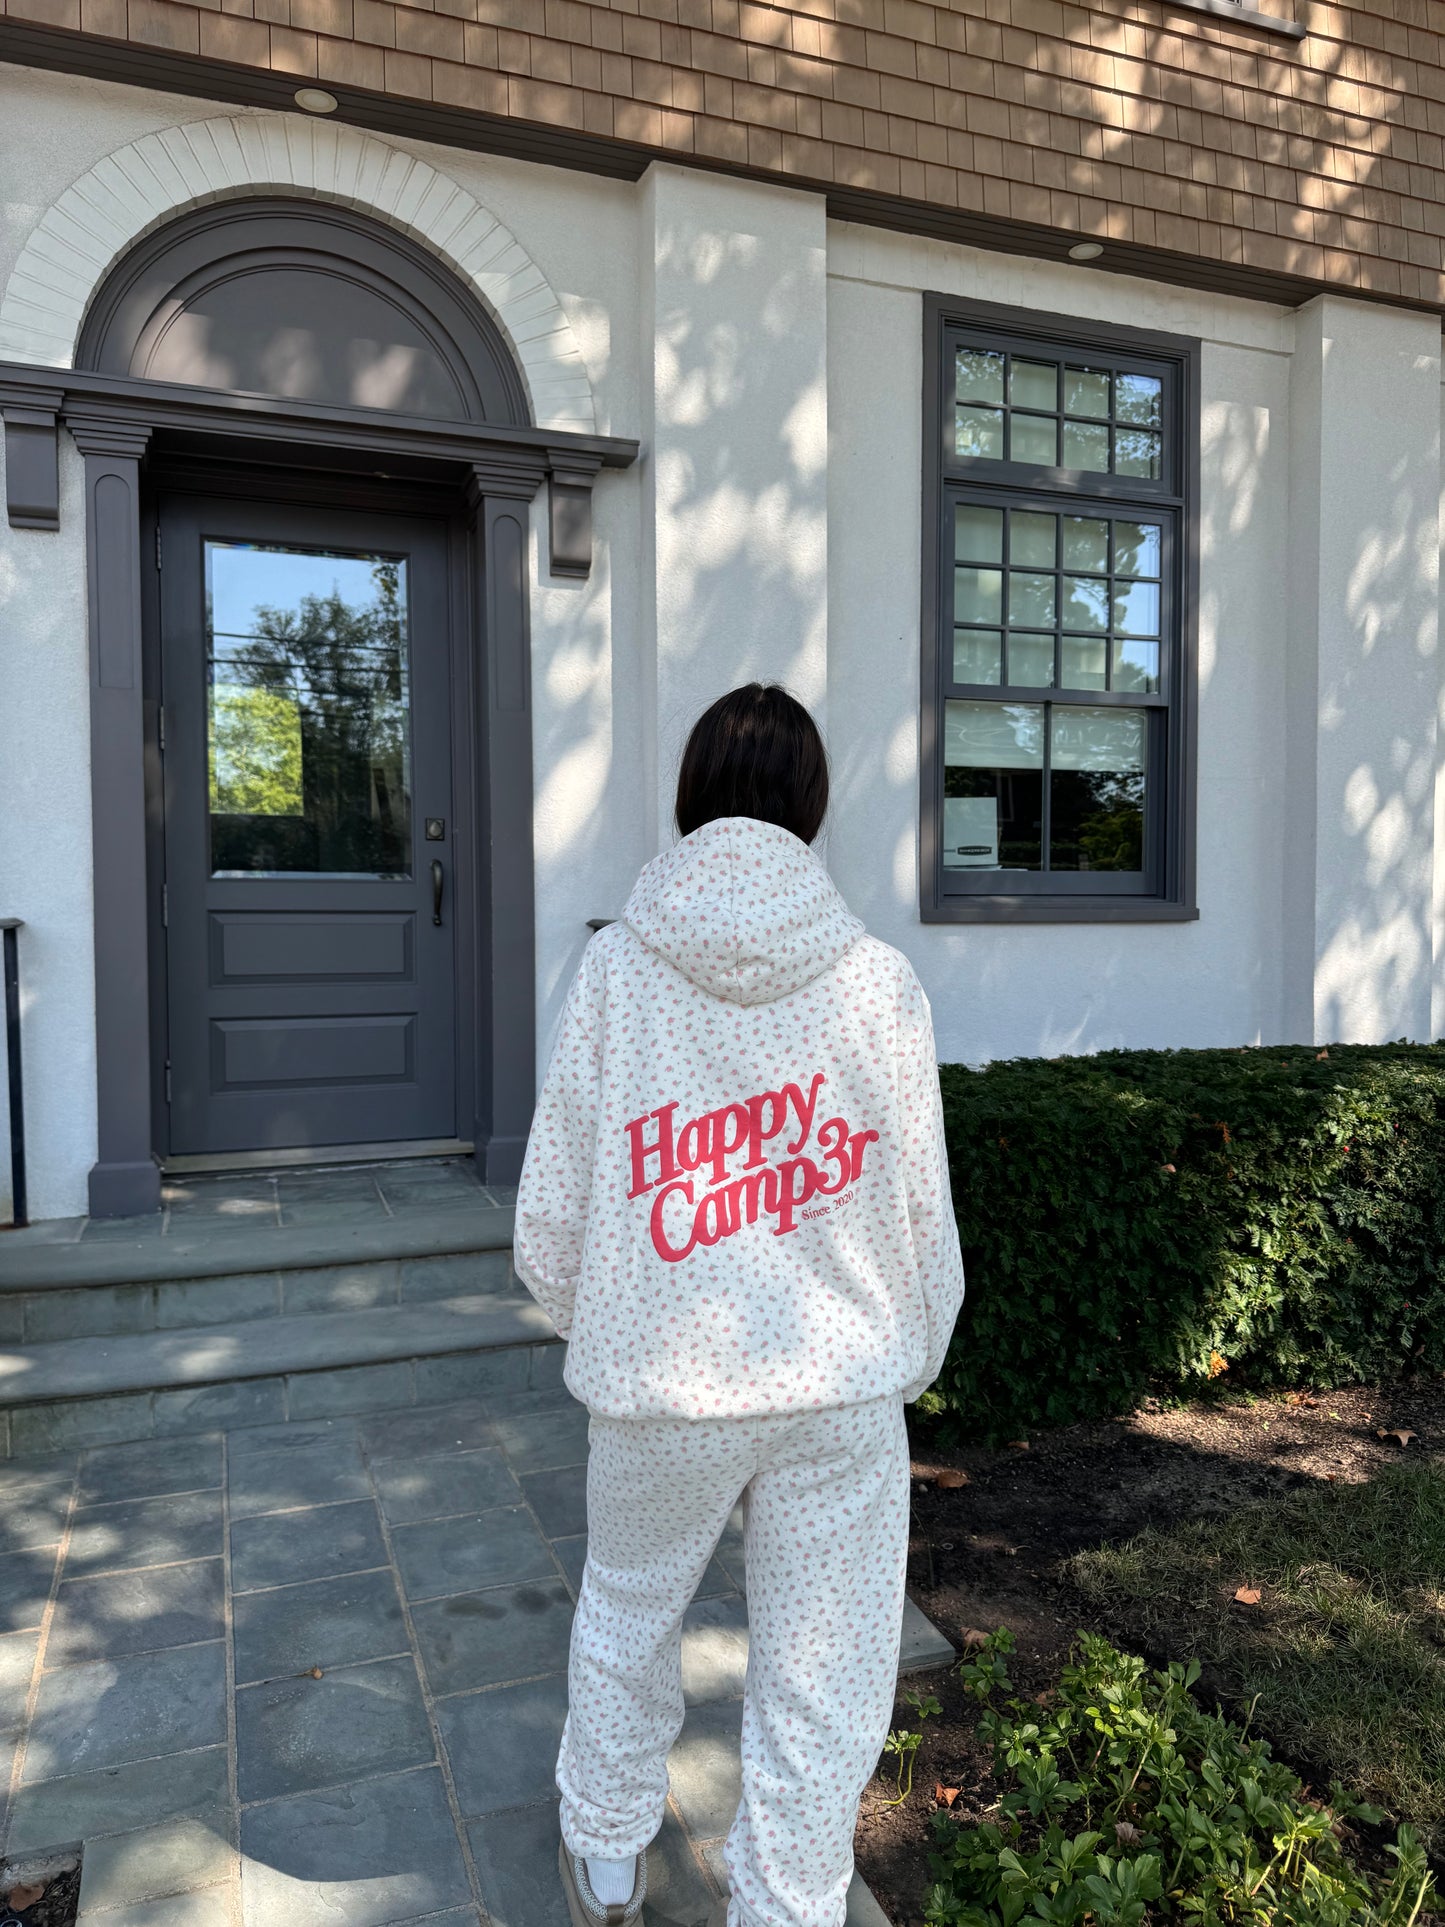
(1140, 1219)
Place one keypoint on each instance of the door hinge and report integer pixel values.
(165, 906)
(158, 545)
(161, 727)
(168, 1080)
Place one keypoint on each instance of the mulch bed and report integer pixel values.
(989, 1553)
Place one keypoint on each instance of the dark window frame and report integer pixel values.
(1167, 891)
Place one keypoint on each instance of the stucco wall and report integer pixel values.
(773, 364)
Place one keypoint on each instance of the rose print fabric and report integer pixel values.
(826, 1498)
(735, 1199)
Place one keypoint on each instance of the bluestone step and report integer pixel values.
(52, 1312)
(258, 1348)
(136, 1252)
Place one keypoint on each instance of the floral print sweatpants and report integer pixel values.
(826, 1505)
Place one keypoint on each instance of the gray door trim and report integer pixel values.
(34, 400)
(493, 497)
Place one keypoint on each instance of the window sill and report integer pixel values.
(1058, 910)
(1244, 16)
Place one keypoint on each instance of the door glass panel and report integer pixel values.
(309, 710)
(993, 786)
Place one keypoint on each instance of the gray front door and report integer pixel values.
(308, 826)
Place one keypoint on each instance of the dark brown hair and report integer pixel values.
(755, 752)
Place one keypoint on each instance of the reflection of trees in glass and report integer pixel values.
(341, 669)
(1098, 820)
(255, 752)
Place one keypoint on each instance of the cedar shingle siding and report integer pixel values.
(1139, 122)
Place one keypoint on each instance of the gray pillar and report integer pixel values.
(506, 992)
(125, 1178)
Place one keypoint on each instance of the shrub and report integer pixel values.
(1149, 1219)
(1125, 1801)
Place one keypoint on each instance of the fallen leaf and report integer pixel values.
(945, 1795)
(1126, 1833)
(316, 1672)
(1330, 1478)
(972, 1638)
(19, 1897)
(1018, 1445)
(950, 1478)
(1403, 1434)
(1248, 1595)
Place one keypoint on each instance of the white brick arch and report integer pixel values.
(137, 188)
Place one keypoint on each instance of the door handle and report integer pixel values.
(436, 891)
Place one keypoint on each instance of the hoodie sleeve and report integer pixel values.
(925, 1164)
(556, 1183)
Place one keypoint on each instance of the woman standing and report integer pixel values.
(735, 1206)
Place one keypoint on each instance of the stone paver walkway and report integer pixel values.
(315, 1673)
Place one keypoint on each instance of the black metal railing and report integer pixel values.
(19, 1207)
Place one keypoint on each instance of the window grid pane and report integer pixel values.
(1061, 660)
(1096, 420)
(1044, 787)
(1030, 620)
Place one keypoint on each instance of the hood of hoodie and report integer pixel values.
(743, 909)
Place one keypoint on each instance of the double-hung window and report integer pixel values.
(1058, 675)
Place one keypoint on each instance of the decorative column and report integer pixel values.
(125, 1178)
(499, 495)
(1362, 673)
(735, 428)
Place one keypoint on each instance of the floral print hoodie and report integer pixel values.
(735, 1199)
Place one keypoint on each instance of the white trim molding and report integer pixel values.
(138, 187)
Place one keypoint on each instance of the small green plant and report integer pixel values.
(989, 1670)
(1124, 1801)
(903, 1742)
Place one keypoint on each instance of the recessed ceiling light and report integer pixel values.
(315, 100)
(1083, 250)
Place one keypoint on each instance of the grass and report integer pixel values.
(1343, 1657)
